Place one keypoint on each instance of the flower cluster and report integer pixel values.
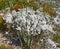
(33, 22)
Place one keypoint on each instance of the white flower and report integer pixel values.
(14, 13)
(50, 28)
(43, 27)
(50, 42)
(57, 20)
(6, 32)
(18, 28)
(8, 18)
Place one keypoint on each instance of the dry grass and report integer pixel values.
(17, 6)
(1, 20)
(49, 10)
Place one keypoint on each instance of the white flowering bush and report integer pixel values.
(32, 24)
(35, 27)
(27, 23)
